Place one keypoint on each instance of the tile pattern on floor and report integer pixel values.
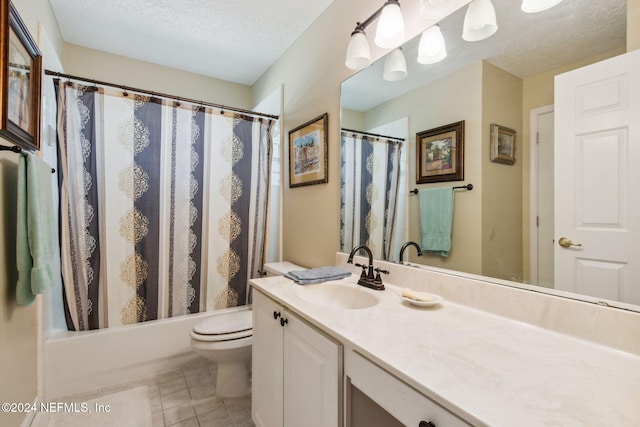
(185, 397)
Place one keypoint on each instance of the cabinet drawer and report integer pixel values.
(400, 400)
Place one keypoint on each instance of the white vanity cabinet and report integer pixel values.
(296, 370)
(402, 402)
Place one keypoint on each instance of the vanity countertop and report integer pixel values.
(487, 369)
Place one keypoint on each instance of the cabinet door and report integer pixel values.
(312, 376)
(267, 373)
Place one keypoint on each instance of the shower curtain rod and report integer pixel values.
(394, 138)
(162, 95)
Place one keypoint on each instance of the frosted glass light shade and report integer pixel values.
(534, 6)
(358, 52)
(432, 47)
(395, 66)
(433, 9)
(479, 21)
(390, 31)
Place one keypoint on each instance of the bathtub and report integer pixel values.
(77, 362)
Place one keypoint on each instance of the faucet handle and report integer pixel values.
(378, 280)
(364, 269)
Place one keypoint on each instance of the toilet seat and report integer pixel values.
(229, 326)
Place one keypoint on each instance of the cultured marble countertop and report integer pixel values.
(487, 369)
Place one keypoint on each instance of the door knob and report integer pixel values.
(565, 242)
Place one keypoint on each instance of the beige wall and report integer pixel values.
(459, 97)
(633, 25)
(92, 64)
(501, 183)
(19, 325)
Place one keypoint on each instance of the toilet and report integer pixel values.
(226, 339)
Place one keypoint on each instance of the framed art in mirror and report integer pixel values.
(503, 145)
(440, 154)
(20, 79)
(308, 153)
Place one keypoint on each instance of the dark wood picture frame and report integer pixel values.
(503, 145)
(20, 80)
(440, 154)
(309, 152)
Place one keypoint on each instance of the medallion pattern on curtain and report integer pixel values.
(163, 206)
(370, 172)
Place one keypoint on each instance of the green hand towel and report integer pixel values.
(436, 220)
(37, 238)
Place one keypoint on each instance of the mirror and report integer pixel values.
(506, 79)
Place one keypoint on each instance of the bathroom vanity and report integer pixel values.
(450, 364)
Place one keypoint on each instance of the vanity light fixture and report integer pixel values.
(432, 48)
(534, 6)
(389, 34)
(395, 66)
(433, 9)
(479, 21)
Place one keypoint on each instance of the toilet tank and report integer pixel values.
(280, 268)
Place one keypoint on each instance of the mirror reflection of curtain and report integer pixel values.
(163, 206)
(369, 181)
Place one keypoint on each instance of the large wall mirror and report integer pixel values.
(503, 229)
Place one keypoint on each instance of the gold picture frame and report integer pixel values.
(308, 153)
(20, 80)
(503, 145)
(440, 154)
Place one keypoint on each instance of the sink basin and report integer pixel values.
(337, 296)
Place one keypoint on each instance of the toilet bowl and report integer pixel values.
(226, 339)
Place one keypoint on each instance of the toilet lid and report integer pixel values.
(238, 323)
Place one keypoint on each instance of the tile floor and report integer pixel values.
(185, 397)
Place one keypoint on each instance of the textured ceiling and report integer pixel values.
(524, 45)
(233, 40)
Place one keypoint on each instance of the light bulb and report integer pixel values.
(479, 21)
(432, 47)
(534, 6)
(390, 31)
(358, 52)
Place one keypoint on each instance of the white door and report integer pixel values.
(312, 376)
(266, 361)
(542, 197)
(597, 203)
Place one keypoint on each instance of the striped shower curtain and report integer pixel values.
(163, 206)
(370, 173)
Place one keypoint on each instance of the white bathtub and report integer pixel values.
(77, 362)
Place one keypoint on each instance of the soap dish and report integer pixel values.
(437, 299)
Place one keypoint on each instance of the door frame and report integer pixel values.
(533, 189)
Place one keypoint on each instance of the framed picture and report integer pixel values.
(440, 154)
(308, 152)
(503, 145)
(20, 77)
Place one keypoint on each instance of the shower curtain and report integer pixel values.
(370, 173)
(163, 205)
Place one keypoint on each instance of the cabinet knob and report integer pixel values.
(426, 424)
(283, 321)
(276, 314)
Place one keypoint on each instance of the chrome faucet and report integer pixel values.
(367, 277)
(407, 244)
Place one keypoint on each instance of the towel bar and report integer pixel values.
(18, 150)
(467, 187)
